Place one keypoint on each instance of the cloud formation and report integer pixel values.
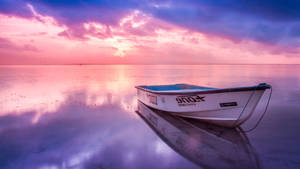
(267, 21)
(263, 21)
(7, 44)
(100, 32)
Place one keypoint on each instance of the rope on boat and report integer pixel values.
(242, 112)
(266, 108)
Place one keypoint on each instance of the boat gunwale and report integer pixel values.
(211, 91)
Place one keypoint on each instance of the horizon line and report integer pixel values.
(149, 64)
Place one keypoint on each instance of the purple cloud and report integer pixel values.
(15, 8)
(273, 22)
(262, 21)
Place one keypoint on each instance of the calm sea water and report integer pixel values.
(84, 117)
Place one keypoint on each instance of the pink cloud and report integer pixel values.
(137, 39)
(6, 44)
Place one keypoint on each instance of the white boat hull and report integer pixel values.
(228, 109)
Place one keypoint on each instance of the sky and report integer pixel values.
(149, 32)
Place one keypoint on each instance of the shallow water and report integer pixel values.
(84, 116)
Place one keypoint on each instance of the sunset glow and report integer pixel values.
(164, 84)
(135, 36)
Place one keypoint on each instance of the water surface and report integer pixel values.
(84, 116)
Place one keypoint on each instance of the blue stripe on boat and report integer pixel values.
(175, 87)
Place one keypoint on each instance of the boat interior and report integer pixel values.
(176, 87)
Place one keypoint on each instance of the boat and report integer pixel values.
(205, 144)
(228, 107)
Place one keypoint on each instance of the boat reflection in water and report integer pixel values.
(206, 145)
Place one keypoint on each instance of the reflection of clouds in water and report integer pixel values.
(43, 89)
(162, 149)
(24, 104)
(83, 115)
(79, 136)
